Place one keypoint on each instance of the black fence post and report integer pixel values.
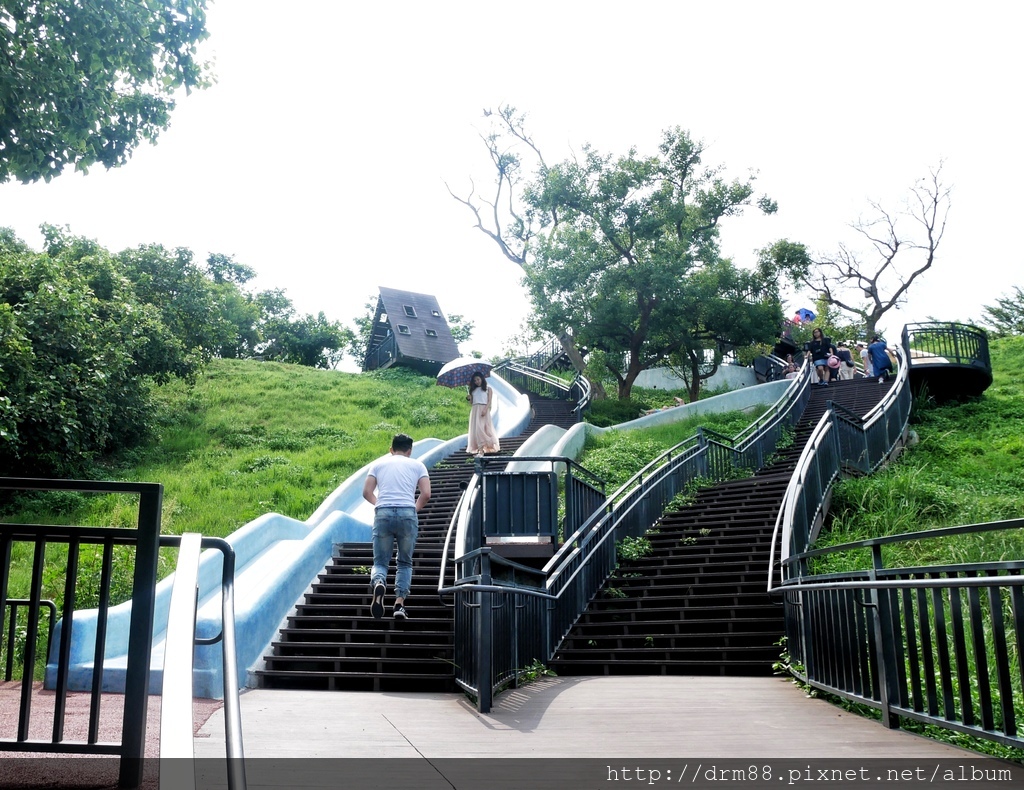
(485, 617)
(887, 674)
(136, 684)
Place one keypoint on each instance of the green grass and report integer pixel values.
(967, 467)
(246, 439)
(250, 438)
(612, 411)
(615, 456)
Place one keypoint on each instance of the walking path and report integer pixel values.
(608, 724)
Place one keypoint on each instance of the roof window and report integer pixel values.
(403, 330)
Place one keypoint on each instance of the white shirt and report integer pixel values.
(397, 477)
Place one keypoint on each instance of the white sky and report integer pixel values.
(319, 157)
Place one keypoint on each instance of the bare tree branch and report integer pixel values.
(842, 276)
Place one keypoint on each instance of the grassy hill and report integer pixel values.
(967, 467)
(250, 438)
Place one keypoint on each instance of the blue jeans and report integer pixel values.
(394, 525)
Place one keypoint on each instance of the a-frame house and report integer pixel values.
(409, 329)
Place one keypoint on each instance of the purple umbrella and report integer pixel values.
(458, 372)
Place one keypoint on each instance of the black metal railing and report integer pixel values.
(841, 442)
(143, 543)
(954, 343)
(530, 379)
(938, 645)
(769, 367)
(545, 356)
(134, 551)
(530, 616)
(9, 649)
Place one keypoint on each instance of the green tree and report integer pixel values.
(310, 340)
(74, 341)
(307, 340)
(461, 329)
(189, 325)
(723, 308)
(625, 251)
(224, 269)
(360, 337)
(1006, 316)
(238, 309)
(86, 81)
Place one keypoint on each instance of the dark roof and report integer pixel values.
(428, 338)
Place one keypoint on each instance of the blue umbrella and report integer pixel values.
(458, 372)
(805, 315)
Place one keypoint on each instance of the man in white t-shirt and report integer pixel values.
(391, 487)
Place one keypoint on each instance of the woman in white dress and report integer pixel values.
(482, 436)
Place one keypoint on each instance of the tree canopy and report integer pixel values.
(1006, 316)
(624, 251)
(85, 334)
(86, 81)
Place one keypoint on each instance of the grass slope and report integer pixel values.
(250, 438)
(967, 467)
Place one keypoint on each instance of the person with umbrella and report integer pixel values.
(482, 436)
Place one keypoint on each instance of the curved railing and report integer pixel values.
(840, 442)
(503, 627)
(948, 342)
(529, 379)
(938, 645)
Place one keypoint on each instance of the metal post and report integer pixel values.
(885, 653)
(136, 684)
(484, 614)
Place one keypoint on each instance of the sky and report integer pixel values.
(320, 157)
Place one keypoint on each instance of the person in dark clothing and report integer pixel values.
(881, 365)
(819, 349)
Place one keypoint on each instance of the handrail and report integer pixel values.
(465, 502)
(933, 644)
(144, 539)
(586, 558)
(580, 385)
(795, 497)
(176, 736)
(14, 604)
(822, 432)
(459, 518)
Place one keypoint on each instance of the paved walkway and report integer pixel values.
(651, 729)
(565, 717)
(645, 721)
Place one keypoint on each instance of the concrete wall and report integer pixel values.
(726, 377)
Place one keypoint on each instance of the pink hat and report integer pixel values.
(833, 362)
